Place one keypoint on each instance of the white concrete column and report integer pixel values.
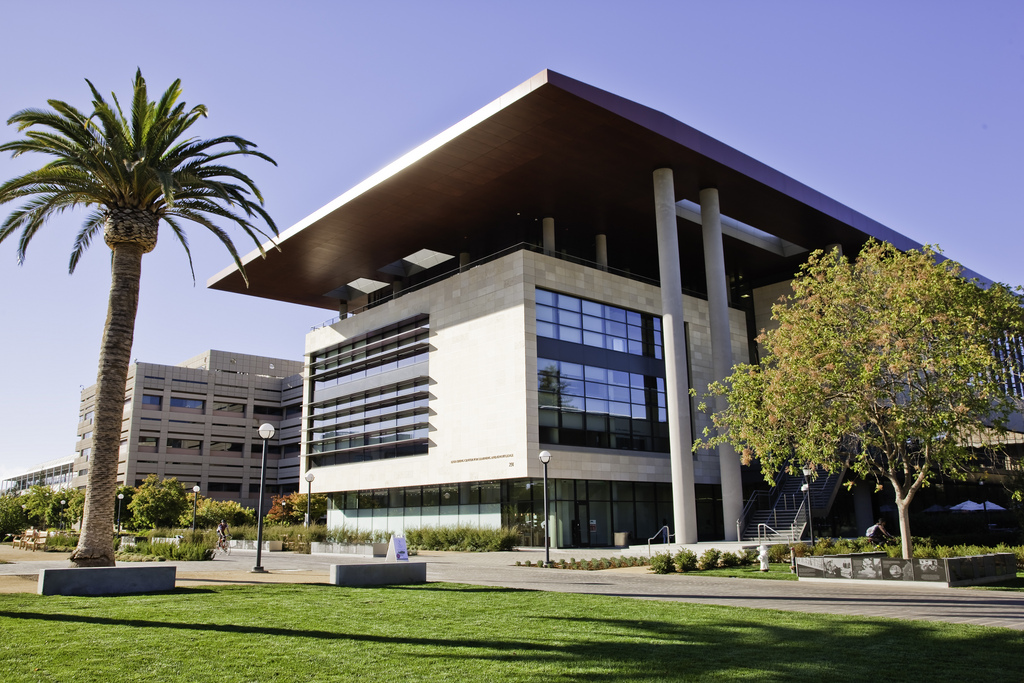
(396, 286)
(677, 387)
(463, 260)
(549, 236)
(601, 242)
(342, 309)
(721, 350)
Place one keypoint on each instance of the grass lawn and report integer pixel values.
(779, 572)
(441, 632)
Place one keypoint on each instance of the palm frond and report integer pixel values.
(138, 157)
(93, 223)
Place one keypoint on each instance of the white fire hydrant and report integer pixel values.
(762, 555)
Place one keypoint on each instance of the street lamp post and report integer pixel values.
(309, 495)
(544, 457)
(120, 497)
(195, 505)
(806, 488)
(62, 513)
(266, 433)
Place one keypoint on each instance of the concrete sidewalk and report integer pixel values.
(952, 605)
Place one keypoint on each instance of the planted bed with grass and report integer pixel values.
(440, 632)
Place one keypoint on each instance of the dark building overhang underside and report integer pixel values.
(552, 147)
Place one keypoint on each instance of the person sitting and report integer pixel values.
(878, 534)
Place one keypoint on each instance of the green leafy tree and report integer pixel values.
(291, 508)
(159, 503)
(65, 508)
(209, 513)
(126, 516)
(13, 519)
(892, 365)
(132, 170)
(39, 505)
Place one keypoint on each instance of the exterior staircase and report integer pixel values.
(780, 515)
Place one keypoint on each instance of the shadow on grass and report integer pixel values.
(265, 630)
(492, 632)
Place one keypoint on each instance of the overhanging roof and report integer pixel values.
(555, 147)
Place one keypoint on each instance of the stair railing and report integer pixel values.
(663, 533)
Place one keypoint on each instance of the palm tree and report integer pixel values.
(132, 172)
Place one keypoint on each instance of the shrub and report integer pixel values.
(464, 538)
(778, 553)
(662, 563)
(686, 560)
(709, 559)
(729, 560)
(62, 540)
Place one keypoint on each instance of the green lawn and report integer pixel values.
(441, 632)
(779, 572)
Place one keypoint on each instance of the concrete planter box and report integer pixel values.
(268, 546)
(873, 567)
(367, 550)
(173, 540)
(106, 580)
(380, 574)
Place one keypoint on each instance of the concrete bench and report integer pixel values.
(106, 580)
(378, 574)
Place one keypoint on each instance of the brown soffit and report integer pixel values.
(552, 146)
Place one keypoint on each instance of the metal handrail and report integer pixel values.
(662, 532)
(800, 514)
(762, 529)
(741, 523)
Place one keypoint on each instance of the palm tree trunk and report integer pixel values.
(95, 546)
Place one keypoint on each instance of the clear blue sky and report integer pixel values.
(908, 112)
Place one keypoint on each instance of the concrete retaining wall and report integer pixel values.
(268, 546)
(106, 580)
(369, 549)
(384, 574)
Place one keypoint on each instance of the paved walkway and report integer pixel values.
(929, 603)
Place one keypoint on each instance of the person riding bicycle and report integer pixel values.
(878, 533)
(222, 531)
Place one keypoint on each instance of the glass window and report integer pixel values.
(490, 492)
(413, 497)
(546, 313)
(190, 403)
(622, 490)
(185, 444)
(148, 400)
(431, 496)
(569, 334)
(569, 303)
(547, 330)
(450, 494)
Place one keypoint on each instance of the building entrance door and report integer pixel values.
(581, 526)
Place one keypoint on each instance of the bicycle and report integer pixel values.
(222, 545)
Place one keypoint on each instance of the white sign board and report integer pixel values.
(397, 551)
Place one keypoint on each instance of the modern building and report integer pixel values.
(553, 273)
(198, 420)
(56, 473)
